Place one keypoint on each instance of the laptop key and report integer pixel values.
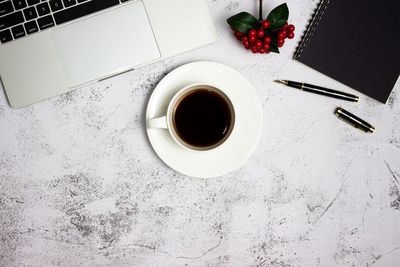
(31, 27)
(45, 22)
(43, 9)
(30, 13)
(18, 31)
(11, 20)
(55, 5)
(68, 3)
(6, 8)
(5, 36)
(33, 2)
(18, 4)
(83, 9)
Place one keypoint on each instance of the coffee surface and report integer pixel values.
(202, 118)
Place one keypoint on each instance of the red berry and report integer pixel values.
(267, 39)
(252, 32)
(284, 27)
(280, 42)
(265, 46)
(254, 49)
(245, 39)
(246, 45)
(267, 51)
(240, 33)
(237, 36)
(260, 33)
(285, 33)
(291, 28)
(252, 39)
(265, 24)
(258, 43)
(280, 35)
(290, 35)
(261, 50)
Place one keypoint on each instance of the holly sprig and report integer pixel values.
(276, 21)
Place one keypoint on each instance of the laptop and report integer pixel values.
(50, 47)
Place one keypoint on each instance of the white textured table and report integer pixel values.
(81, 186)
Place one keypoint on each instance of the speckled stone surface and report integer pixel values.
(81, 186)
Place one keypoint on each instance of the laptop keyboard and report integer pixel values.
(19, 18)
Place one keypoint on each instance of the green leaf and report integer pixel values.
(278, 16)
(242, 22)
(273, 46)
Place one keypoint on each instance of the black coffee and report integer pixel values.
(203, 118)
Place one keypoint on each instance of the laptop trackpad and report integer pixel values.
(105, 44)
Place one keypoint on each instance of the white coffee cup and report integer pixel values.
(167, 121)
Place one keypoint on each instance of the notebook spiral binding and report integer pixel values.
(311, 27)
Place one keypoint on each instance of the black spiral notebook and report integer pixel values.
(356, 42)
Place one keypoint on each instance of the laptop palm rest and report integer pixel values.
(105, 44)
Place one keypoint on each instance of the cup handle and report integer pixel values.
(160, 122)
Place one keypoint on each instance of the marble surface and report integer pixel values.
(81, 186)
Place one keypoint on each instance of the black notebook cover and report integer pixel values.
(355, 42)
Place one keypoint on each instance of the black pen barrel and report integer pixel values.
(322, 91)
(354, 120)
(293, 84)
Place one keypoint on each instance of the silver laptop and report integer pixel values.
(49, 47)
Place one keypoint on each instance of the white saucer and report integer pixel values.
(243, 139)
